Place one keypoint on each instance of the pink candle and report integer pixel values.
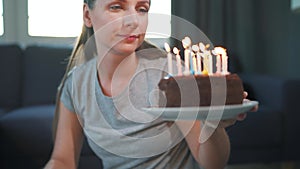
(178, 59)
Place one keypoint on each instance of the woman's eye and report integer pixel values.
(115, 7)
(143, 9)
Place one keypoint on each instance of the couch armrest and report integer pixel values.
(266, 89)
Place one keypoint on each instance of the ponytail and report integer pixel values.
(77, 55)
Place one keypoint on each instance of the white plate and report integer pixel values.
(201, 113)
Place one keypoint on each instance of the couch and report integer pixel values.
(29, 80)
(28, 84)
(272, 133)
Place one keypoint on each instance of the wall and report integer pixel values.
(264, 35)
(279, 35)
(261, 36)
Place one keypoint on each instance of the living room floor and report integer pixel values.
(286, 165)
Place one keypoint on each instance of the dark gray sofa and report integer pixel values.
(28, 84)
(29, 80)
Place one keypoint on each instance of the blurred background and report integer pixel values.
(261, 37)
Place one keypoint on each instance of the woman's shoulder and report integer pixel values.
(82, 67)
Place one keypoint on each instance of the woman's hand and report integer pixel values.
(230, 122)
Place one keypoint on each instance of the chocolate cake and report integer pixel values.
(201, 90)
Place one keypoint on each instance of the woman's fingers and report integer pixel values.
(241, 116)
(245, 94)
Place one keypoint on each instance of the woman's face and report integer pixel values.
(119, 25)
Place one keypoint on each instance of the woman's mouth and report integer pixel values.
(130, 38)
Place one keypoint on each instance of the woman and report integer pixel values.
(101, 98)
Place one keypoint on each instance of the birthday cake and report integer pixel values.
(198, 85)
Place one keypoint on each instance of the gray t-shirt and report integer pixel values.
(117, 128)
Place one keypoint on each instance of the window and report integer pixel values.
(54, 18)
(1, 18)
(159, 19)
(59, 18)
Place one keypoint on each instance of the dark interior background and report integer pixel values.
(261, 36)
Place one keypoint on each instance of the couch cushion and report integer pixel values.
(261, 131)
(10, 73)
(26, 133)
(29, 129)
(43, 69)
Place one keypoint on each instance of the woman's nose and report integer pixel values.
(131, 20)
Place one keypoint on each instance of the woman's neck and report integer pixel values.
(115, 72)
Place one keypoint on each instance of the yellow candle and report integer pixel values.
(207, 58)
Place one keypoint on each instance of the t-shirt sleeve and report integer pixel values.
(66, 95)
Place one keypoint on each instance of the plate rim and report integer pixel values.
(244, 104)
(169, 113)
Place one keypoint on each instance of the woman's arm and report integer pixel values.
(68, 141)
(211, 154)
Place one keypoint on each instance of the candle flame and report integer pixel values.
(202, 47)
(219, 51)
(167, 47)
(186, 42)
(176, 51)
(195, 48)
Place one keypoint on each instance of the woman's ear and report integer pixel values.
(86, 16)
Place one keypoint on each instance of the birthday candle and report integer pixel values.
(210, 60)
(178, 59)
(224, 62)
(186, 61)
(218, 64)
(186, 42)
(169, 56)
(198, 59)
(219, 52)
(194, 62)
(207, 58)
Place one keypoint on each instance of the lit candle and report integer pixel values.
(194, 62)
(198, 59)
(224, 62)
(186, 42)
(206, 60)
(210, 60)
(169, 57)
(220, 52)
(178, 59)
